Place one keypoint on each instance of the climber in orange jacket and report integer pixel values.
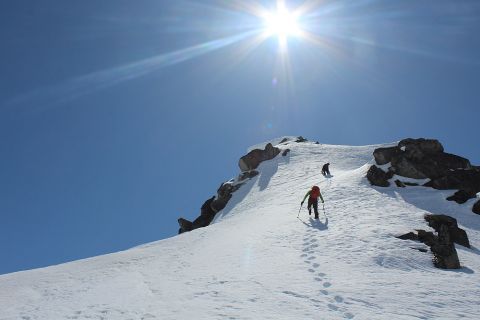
(313, 196)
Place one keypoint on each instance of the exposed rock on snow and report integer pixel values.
(442, 244)
(425, 158)
(461, 196)
(285, 152)
(378, 177)
(476, 207)
(247, 164)
(253, 159)
(247, 175)
(417, 148)
(457, 235)
(400, 184)
(384, 155)
(301, 139)
(468, 180)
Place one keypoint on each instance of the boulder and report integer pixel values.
(444, 252)
(247, 175)
(426, 237)
(253, 159)
(461, 196)
(438, 165)
(409, 236)
(400, 184)
(384, 155)
(206, 209)
(285, 152)
(378, 177)
(404, 167)
(476, 207)
(456, 234)
(224, 194)
(416, 148)
(185, 225)
(468, 180)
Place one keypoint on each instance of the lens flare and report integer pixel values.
(282, 24)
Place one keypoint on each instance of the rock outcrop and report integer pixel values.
(248, 163)
(385, 155)
(442, 245)
(476, 207)
(252, 160)
(426, 159)
(457, 235)
(378, 177)
(461, 196)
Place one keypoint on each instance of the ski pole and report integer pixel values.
(324, 210)
(301, 205)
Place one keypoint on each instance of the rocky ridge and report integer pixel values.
(248, 165)
(426, 159)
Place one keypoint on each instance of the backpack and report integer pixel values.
(315, 193)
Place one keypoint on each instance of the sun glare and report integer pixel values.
(282, 24)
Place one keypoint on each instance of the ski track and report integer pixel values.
(259, 261)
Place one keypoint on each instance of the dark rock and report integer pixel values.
(253, 159)
(185, 225)
(224, 194)
(442, 244)
(384, 155)
(402, 166)
(445, 254)
(438, 165)
(409, 236)
(418, 147)
(420, 249)
(421, 159)
(461, 196)
(247, 175)
(456, 234)
(206, 209)
(301, 139)
(284, 140)
(411, 184)
(476, 207)
(378, 177)
(285, 152)
(400, 184)
(427, 237)
(468, 180)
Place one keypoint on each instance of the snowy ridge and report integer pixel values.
(258, 261)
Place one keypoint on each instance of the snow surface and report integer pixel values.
(258, 261)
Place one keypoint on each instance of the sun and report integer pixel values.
(282, 24)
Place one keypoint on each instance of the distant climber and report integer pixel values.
(313, 196)
(325, 170)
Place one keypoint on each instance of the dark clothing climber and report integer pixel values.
(325, 170)
(313, 196)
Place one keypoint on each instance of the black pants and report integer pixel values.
(313, 203)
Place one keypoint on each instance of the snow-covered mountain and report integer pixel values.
(259, 261)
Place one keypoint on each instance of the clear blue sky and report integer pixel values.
(117, 116)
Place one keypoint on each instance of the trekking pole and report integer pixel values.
(324, 210)
(299, 210)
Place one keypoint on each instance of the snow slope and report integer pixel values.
(258, 261)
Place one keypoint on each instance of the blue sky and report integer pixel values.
(117, 117)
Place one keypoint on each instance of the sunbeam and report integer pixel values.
(96, 81)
